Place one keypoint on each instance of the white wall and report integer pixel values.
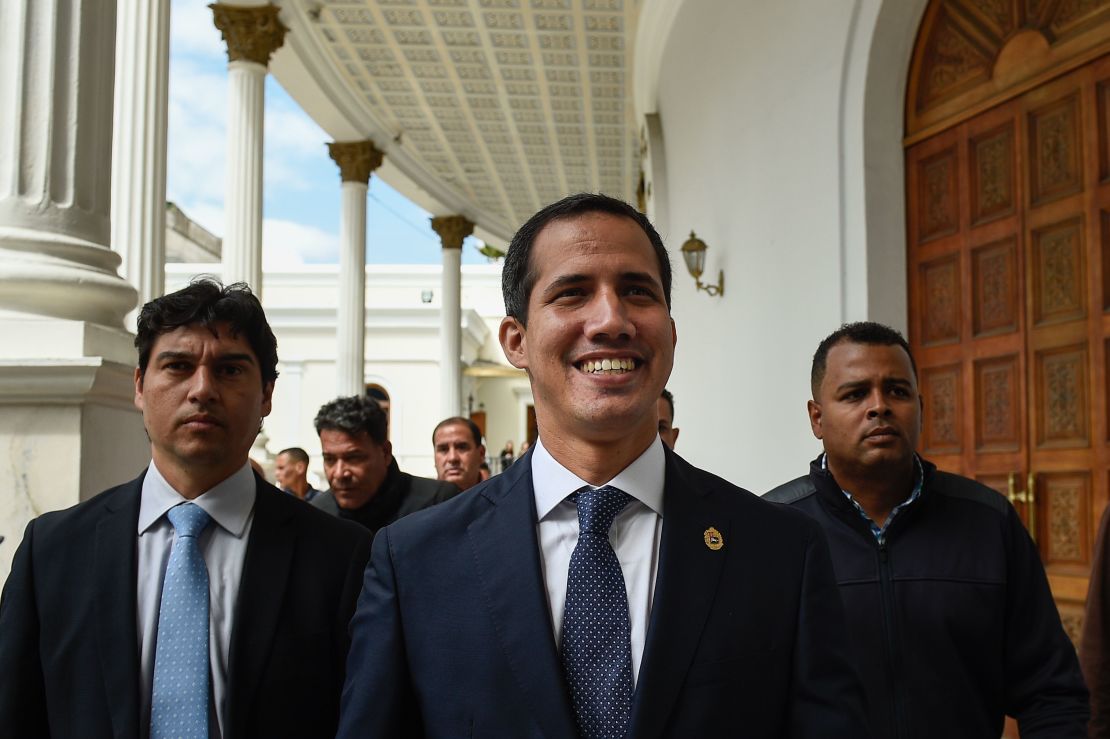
(770, 155)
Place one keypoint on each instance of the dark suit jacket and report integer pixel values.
(69, 660)
(453, 635)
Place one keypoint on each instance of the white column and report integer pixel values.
(452, 230)
(139, 145)
(356, 160)
(350, 329)
(56, 162)
(252, 35)
(68, 427)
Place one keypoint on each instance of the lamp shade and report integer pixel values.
(693, 253)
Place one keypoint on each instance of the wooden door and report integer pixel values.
(1009, 227)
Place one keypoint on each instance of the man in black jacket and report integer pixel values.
(367, 486)
(949, 612)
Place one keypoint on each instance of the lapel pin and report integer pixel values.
(713, 538)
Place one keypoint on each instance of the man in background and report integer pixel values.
(668, 432)
(459, 452)
(951, 620)
(173, 604)
(366, 485)
(291, 470)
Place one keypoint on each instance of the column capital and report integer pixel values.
(252, 33)
(452, 230)
(356, 159)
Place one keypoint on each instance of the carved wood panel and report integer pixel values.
(970, 54)
(943, 410)
(940, 280)
(1059, 272)
(938, 197)
(1055, 151)
(994, 297)
(992, 174)
(1065, 500)
(1061, 387)
(1103, 103)
(998, 403)
(1071, 616)
(1025, 259)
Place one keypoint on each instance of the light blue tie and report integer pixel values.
(179, 698)
(597, 632)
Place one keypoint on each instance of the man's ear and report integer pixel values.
(514, 341)
(814, 409)
(267, 398)
(674, 437)
(387, 449)
(138, 388)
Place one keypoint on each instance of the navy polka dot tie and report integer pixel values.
(596, 648)
(179, 698)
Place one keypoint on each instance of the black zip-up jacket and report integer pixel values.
(951, 622)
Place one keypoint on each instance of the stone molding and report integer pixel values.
(252, 34)
(357, 160)
(452, 230)
(67, 381)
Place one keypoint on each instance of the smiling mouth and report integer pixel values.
(608, 366)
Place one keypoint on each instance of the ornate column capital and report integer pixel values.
(252, 33)
(356, 159)
(452, 230)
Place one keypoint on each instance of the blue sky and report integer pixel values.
(301, 183)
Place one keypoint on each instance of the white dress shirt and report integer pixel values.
(223, 544)
(634, 534)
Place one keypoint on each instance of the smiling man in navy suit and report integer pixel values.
(602, 586)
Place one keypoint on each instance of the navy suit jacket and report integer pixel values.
(69, 655)
(453, 635)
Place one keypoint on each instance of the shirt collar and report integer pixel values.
(229, 503)
(643, 479)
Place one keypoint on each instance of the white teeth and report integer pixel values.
(610, 366)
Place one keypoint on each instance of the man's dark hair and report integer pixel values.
(518, 275)
(670, 400)
(861, 332)
(205, 301)
(354, 415)
(295, 453)
(475, 432)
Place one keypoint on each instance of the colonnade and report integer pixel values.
(82, 233)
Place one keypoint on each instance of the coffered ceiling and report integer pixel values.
(493, 107)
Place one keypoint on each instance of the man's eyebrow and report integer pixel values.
(564, 280)
(640, 277)
(235, 357)
(866, 383)
(170, 355)
(576, 278)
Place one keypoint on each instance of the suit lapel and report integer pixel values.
(507, 555)
(115, 570)
(266, 569)
(686, 585)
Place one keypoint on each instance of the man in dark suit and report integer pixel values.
(181, 603)
(601, 586)
(367, 485)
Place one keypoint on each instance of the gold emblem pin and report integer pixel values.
(713, 539)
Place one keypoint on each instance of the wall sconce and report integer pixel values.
(693, 253)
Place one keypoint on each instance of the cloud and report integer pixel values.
(192, 30)
(289, 244)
